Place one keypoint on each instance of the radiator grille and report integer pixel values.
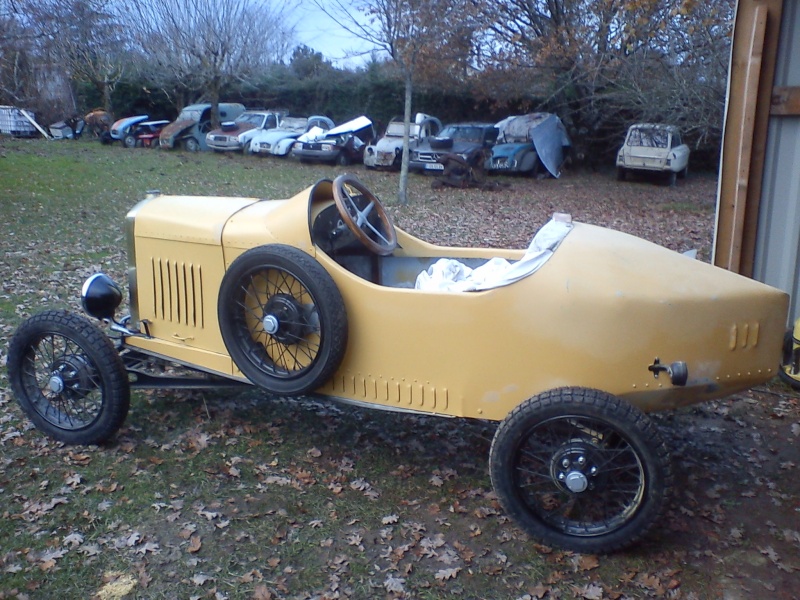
(178, 292)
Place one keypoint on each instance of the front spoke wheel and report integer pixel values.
(68, 378)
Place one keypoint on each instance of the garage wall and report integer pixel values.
(777, 251)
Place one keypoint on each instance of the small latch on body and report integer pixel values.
(678, 371)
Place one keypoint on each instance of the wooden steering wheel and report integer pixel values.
(355, 203)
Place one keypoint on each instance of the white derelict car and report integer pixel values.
(653, 148)
(387, 152)
(238, 134)
(278, 141)
(342, 145)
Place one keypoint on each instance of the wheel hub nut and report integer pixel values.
(271, 324)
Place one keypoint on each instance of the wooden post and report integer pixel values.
(33, 122)
(755, 45)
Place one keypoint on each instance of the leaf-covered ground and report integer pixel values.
(230, 494)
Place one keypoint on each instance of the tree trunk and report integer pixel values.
(107, 96)
(213, 93)
(402, 192)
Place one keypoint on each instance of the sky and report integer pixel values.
(317, 30)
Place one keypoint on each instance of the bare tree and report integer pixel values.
(46, 46)
(83, 37)
(601, 63)
(191, 45)
(414, 33)
(16, 81)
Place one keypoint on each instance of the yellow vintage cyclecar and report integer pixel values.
(567, 345)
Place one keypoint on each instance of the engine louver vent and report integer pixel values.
(178, 292)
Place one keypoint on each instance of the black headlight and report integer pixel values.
(100, 297)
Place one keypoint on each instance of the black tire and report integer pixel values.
(191, 145)
(129, 141)
(537, 168)
(684, 172)
(285, 289)
(621, 173)
(672, 178)
(343, 160)
(580, 469)
(789, 365)
(68, 378)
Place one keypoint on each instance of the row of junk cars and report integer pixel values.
(535, 144)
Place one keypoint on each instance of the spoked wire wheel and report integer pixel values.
(280, 315)
(581, 470)
(282, 319)
(68, 378)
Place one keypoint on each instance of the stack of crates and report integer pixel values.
(12, 122)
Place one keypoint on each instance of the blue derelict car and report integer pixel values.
(534, 144)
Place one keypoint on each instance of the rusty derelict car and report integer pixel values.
(567, 344)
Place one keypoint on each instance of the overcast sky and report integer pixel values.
(317, 30)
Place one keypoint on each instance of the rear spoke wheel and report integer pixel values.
(580, 469)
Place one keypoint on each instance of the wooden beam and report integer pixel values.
(33, 122)
(785, 101)
(747, 70)
(753, 57)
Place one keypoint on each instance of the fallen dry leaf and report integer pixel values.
(262, 592)
(195, 543)
(445, 574)
(591, 591)
(586, 562)
(201, 579)
(394, 584)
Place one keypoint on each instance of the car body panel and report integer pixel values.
(344, 142)
(235, 135)
(604, 309)
(653, 147)
(121, 127)
(169, 135)
(550, 140)
(279, 141)
(527, 142)
(385, 153)
(194, 122)
(466, 139)
(148, 132)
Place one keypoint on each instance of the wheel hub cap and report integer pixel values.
(56, 384)
(576, 482)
